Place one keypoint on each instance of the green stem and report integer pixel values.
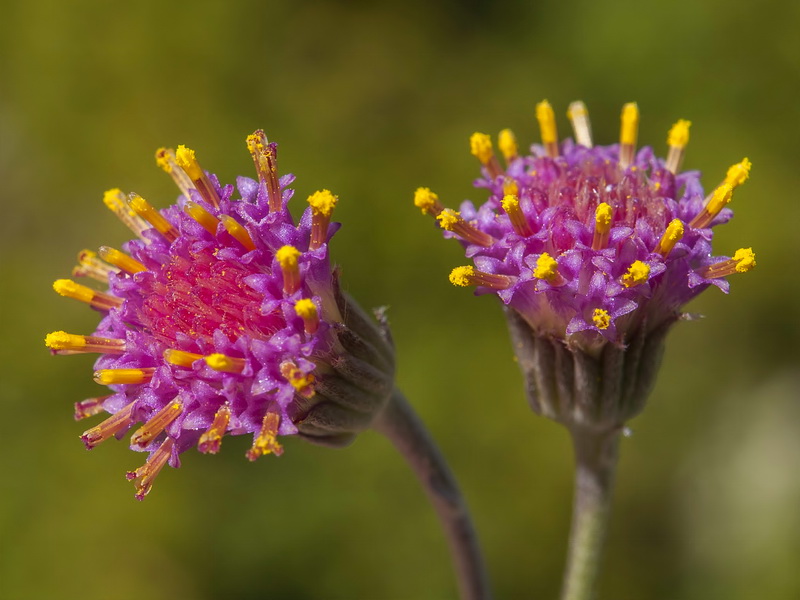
(595, 464)
(402, 426)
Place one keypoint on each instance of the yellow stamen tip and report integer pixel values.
(425, 200)
(630, 124)
(323, 202)
(547, 122)
(480, 145)
(287, 257)
(602, 216)
(678, 135)
(546, 267)
(721, 196)
(222, 362)
(114, 199)
(60, 340)
(674, 231)
(305, 309)
(637, 273)
(507, 143)
(510, 202)
(510, 187)
(448, 219)
(163, 160)
(70, 289)
(180, 358)
(745, 260)
(461, 276)
(601, 318)
(738, 173)
(186, 159)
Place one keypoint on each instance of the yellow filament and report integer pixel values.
(480, 145)
(738, 173)
(601, 318)
(180, 358)
(239, 233)
(547, 122)
(678, 135)
(672, 236)
(629, 129)
(121, 260)
(507, 143)
(322, 202)
(637, 273)
(462, 276)
(201, 215)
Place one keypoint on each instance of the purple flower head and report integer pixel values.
(591, 244)
(222, 317)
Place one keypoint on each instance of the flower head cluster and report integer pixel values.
(591, 244)
(220, 318)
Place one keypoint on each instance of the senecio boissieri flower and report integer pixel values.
(221, 317)
(593, 250)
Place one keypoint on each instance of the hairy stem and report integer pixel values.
(595, 464)
(402, 426)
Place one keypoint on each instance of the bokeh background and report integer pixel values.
(372, 100)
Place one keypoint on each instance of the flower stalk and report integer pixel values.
(403, 428)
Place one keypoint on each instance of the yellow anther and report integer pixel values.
(510, 187)
(448, 219)
(266, 442)
(629, 129)
(228, 364)
(208, 221)
(180, 358)
(146, 211)
(95, 299)
(305, 309)
(121, 260)
(265, 160)
(300, 381)
(158, 423)
(637, 273)
(210, 441)
(547, 122)
(287, 257)
(117, 203)
(602, 225)
(601, 318)
(672, 235)
(186, 159)
(510, 202)
(322, 202)
(507, 142)
(745, 260)
(738, 173)
(546, 267)
(462, 276)
(164, 160)
(61, 342)
(579, 118)
(721, 196)
(678, 135)
(123, 376)
(238, 231)
(480, 145)
(427, 201)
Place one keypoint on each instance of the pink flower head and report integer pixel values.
(219, 317)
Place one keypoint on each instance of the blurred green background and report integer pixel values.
(372, 100)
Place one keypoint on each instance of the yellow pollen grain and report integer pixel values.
(186, 159)
(637, 273)
(745, 260)
(630, 124)
(254, 142)
(425, 200)
(462, 276)
(287, 257)
(163, 161)
(480, 145)
(322, 202)
(547, 122)
(510, 202)
(672, 235)
(738, 173)
(61, 340)
(601, 318)
(546, 267)
(507, 142)
(305, 309)
(448, 219)
(678, 135)
(602, 217)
